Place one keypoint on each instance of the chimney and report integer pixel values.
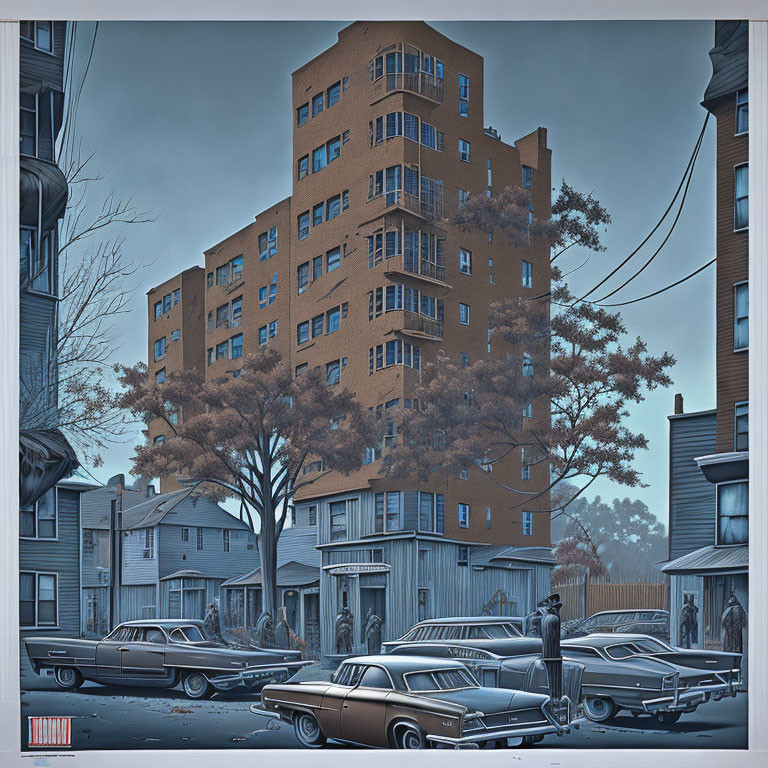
(116, 480)
(678, 403)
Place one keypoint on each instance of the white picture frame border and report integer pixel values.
(448, 9)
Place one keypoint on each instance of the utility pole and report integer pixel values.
(115, 555)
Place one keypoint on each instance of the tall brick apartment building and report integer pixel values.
(710, 541)
(357, 273)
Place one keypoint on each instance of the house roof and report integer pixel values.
(290, 574)
(729, 60)
(496, 556)
(185, 574)
(723, 559)
(95, 505)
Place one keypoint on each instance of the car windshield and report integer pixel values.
(188, 634)
(636, 648)
(440, 680)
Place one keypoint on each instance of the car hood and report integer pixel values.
(489, 700)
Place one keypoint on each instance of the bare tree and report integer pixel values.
(73, 388)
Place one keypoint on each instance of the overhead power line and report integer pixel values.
(686, 176)
(661, 290)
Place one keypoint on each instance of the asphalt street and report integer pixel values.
(111, 717)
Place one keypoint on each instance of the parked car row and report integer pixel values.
(456, 682)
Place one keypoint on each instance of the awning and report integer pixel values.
(289, 575)
(185, 574)
(726, 559)
(45, 457)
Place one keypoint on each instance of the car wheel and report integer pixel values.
(68, 678)
(308, 730)
(409, 736)
(599, 709)
(196, 686)
(667, 718)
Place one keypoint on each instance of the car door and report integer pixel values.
(363, 712)
(329, 713)
(108, 661)
(144, 654)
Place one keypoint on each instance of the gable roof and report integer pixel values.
(499, 556)
(95, 505)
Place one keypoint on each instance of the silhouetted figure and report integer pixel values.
(549, 608)
(212, 625)
(372, 632)
(344, 631)
(734, 621)
(689, 624)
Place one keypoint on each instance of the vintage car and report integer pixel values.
(160, 653)
(643, 674)
(640, 622)
(501, 635)
(410, 702)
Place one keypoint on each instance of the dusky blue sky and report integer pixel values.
(194, 120)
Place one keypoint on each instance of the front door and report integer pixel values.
(372, 603)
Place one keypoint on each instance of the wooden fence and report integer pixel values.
(602, 596)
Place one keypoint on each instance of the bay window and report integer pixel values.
(733, 513)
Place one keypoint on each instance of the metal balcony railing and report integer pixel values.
(416, 82)
(422, 324)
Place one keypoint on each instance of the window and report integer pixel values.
(317, 267)
(160, 376)
(176, 334)
(222, 315)
(318, 159)
(464, 474)
(741, 197)
(742, 111)
(465, 262)
(226, 539)
(490, 272)
(527, 365)
(160, 349)
(199, 538)
(209, 279)
(463, 197)
(237, 346)
(38, 598)
(303, 166)
(222, 275)
(318, 214)
(345, 200)
(462, 557)
(237, 311)
(302, 114)
(210, 355)
(273, 329)
(302, 277)
(464, 314)
(334, 148)
(222, 349)
(43, 35)
(463, 96)
(488, 518)
(338, 514)
(158, 440)
(332, 320)
(158, 309)
(463, 515)
(334, 207)
(527, 523)
(394, 124)
(302, 332)
(333, 259)
(303, 222)
(525, 468)
(317, 104)
(149, 543)
(38, 520)
(317, 326)
(300, 369)
(237, 271)
(345, 137)
(741, 427)
(464, 359)
(387, 512)
(732, 513)
(464, 150)
(527, 411)
(333, 93)
(527, 274)
(527, 177)
(740, 316)
(332, 372)
(28, 124)
(185, 534)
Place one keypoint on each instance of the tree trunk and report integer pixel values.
(268, 556)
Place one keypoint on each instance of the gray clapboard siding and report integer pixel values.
(134, 598)
(62, 557)
(36, 316)
(176, 555)
(691, 496)
(138, 569)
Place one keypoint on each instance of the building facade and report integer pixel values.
(361, 274)
(719, 562)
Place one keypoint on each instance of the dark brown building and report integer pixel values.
(714, 567)
(357, 273)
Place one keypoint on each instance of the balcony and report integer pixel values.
(421, 83)
(428, 207)
(421, 326)
(411, 265)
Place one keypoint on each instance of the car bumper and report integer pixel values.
(687, 699)
(253, 676)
